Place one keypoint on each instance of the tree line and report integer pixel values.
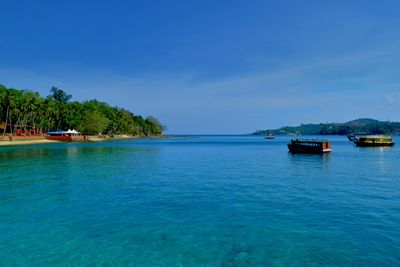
(26, 110)
(358, 126)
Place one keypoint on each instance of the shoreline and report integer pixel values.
(28, 142)
(38, 140)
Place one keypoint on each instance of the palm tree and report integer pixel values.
(6, 102)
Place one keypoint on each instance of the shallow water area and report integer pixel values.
(199, 201)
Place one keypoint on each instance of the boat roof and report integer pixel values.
(310, 140)
(56, 132)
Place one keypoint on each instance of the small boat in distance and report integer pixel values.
(352, 137)
(374, 141)
(309, 146)
(269, 136)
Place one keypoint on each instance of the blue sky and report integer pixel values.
(211, 66)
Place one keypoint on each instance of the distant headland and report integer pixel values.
(358, 126)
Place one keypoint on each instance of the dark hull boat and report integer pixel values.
(306, 146)
(352, 137)
(374, 141)
(269, 136)
(66, 138)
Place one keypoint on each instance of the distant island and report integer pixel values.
(358, 126)
(27, 112)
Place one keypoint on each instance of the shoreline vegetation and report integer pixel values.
(363, 126)
(26, 117)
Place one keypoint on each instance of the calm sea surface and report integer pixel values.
(200, 201)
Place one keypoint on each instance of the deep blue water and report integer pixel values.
(200, 201)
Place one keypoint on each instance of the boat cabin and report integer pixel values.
(309, 146)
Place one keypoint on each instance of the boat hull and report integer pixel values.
(362, 144)
(308, 150)
(67, 138)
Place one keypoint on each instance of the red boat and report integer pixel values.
(66, 136)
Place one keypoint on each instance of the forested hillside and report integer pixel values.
(359, 126)
(27, 110)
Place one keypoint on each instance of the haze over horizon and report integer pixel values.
(211, 66)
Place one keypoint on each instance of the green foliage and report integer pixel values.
(359, 126)
(153, 125)
(26, 110)
(59, 95)
(94, 122)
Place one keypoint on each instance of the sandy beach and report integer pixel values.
(26, 142)
(17, 141)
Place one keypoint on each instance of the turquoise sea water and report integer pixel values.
(200, 201)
